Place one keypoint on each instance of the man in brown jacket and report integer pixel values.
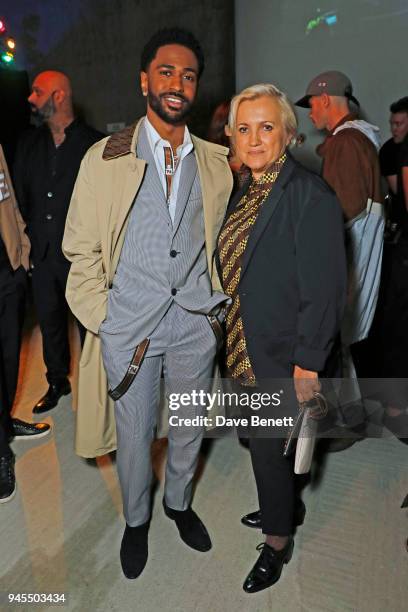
(14, 253)
(351, 167)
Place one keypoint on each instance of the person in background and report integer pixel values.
(351, 167)
(217, 133)
(385, 344)
(402, 175)
(14, 260)
(392, 327)
(389, 152)
(282, 261)
(46, 166)
(389, 159)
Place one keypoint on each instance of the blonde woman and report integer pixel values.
(282, 260)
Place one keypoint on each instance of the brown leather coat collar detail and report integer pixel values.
(120, 143)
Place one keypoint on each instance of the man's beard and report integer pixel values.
(175, 117)
(43, 114)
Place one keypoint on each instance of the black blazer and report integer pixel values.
(293, 278)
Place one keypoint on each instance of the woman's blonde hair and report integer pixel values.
(257, 91)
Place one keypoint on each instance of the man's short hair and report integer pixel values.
(171, 36)
(400, 106)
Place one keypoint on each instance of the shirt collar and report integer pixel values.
(68, 130)
(156, 140)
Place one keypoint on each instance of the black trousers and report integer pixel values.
(12, 302)
(275, 479)
(49, 279)
(383, 354)
(275, 482)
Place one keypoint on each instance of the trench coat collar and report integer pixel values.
(122, 143)
(267, 210)
(121, 147)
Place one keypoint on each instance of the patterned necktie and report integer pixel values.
(170, 167)
(231, 246)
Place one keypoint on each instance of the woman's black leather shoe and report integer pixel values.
(253, 519)
(268, 568)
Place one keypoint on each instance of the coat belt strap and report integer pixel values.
(132, 370)
(217, 329)
(140, 353)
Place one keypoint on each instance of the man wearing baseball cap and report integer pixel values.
(350, 159)
(351, 167)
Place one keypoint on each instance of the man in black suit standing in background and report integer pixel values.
(46, 167)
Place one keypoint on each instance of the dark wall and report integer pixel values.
(101, 44)
(368, 42)
(14, 112)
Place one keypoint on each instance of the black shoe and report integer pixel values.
(7, 478)
(268, 568)
(253, 519)
(192, 530)
(29, 431)
(50, 399)
(133, 550)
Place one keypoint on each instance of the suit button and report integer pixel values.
(173, 253)
(173, 291)
(48, 217)
(49, 194)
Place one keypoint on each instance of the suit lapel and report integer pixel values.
(131, 178)
(188, 174)
(266, 213)
(155, 185)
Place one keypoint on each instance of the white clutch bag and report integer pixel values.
(302, 436)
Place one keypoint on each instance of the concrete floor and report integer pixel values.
(62, 531)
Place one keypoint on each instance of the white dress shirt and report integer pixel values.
(157, 144)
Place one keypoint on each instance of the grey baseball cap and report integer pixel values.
(333, 83)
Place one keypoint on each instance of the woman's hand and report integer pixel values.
(306, 384)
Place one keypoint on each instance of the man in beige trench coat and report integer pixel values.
(125, 220)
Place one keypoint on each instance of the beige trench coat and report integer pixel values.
(107, 183)
(12, 225)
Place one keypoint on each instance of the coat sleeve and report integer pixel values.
(322, 280)
(86, 290)
(348, 171)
